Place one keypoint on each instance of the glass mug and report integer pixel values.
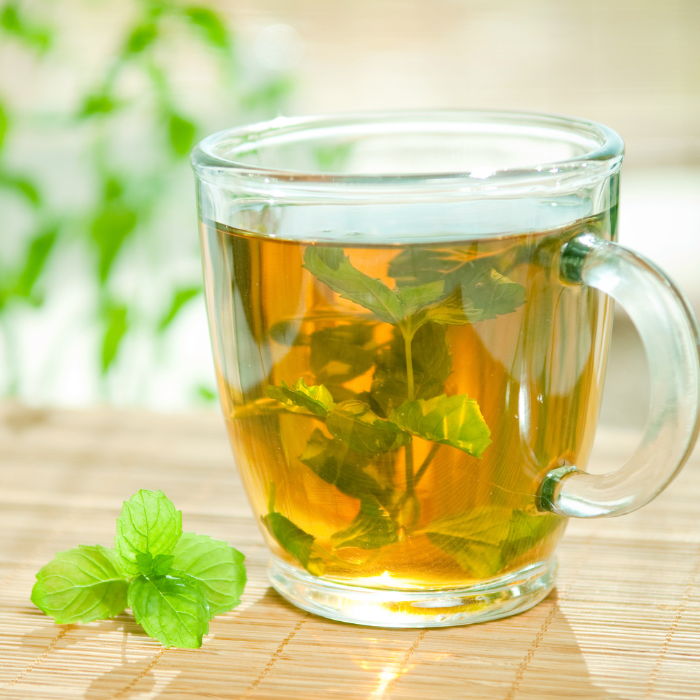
(410, 316)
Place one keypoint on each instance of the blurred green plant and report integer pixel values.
(127, 195)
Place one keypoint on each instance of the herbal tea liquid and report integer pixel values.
(392, 409)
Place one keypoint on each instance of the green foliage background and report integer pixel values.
(134, 126)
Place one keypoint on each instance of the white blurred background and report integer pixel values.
(99, 263)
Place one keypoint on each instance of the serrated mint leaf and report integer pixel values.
(450, 311)
(364, 431)
(372, 528)
(415, 298)
(81, 585)
(154, 566)
(314, 399)
(473, 538)
(294, 541)
(342, 353)
(171, 609)
(432, 365)
(148, 523)
(339, 465)
(449, 420)
(217, 567)
(332, 267)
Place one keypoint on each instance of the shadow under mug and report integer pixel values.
(410, 316)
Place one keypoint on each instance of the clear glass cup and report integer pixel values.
(410, 316)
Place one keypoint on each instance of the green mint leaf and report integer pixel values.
(449, 420)
(342, 353)
(494, 294)
(416, 266)
(473, 538)
(314, 399)
(37, 255)
(294, 541)
(211, 25)
(81, 585)
(141, 37)
(180, 298)
(217, 567)
(527, 531)
(372, 528)
(182, 134)
(116, 325)
(483, 291)
(110, 228)
(172, 609)
(332, 267)
(154, 566)
(289, 333)
(450, 311)
(432, 365)
(364, 431)
(149, 524)
(415, 298)
(337, 464)
(3, 124)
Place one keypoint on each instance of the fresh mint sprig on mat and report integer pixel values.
(174, 581)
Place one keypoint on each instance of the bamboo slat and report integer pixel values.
(624, 621)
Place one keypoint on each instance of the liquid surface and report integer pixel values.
(392, 410)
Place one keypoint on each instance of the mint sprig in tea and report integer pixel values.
(380, 399)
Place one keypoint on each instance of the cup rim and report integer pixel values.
(210, 163)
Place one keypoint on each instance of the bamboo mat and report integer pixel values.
(624, 621)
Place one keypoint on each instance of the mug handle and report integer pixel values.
(671, 338)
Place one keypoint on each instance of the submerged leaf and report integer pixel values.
(528, 530)
(414, 266)
(449, 420)
(468, 280)
(337, 464)
(342, 353)
(415, 298)
(332, 267)
(473, 538)
(364, 431)
(294, 541)
(372, 528)
(314, 399)
(432, 365)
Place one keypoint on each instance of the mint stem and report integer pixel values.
(426, 462)
(411, 391)
(409, 467)
(408, 339)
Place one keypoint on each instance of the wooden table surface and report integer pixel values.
(624, 621)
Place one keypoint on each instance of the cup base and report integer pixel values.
(377, 607)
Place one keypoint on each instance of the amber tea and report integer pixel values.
(393, 409)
